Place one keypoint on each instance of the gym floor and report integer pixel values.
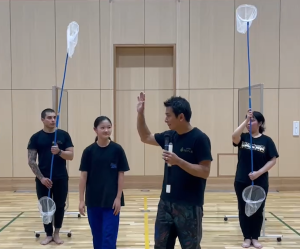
(19, 219)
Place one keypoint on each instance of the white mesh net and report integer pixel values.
(72, 37)
(245, 13)
(47, 209)
(253, 196)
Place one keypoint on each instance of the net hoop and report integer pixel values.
(252, 201)
(245, 9)
(72, 37)
(50, 203)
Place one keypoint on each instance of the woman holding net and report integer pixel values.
(264, 158)
(102, 167)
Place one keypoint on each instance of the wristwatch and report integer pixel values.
(59, 153)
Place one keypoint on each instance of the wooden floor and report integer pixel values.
(19, 218)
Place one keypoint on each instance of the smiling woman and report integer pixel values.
(102, 167)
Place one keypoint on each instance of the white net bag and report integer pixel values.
(72, 37)
(47, 209)
(245, 14)
(253, 196)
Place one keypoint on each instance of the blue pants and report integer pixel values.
(105, 226)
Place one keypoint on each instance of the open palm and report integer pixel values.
(141, 103)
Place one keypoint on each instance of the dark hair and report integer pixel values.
(98, 121)
(179, 105)
(260, 119)
(43, 114)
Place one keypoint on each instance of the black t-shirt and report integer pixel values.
(193, 147)
(42, 143)
(264, 150)
(103, 165)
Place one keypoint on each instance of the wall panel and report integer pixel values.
(210, 56)
(211, 44)
(126, 133)
(83, 70)
(26, 110)
(130, 71)
(289, 111)
(160, 21)
(183, 45)
(159, 71)
(83, 109)
(214, 117)
(33, 44)
(289, 44)
(128, 22)
(106, 45)
(271, 104)
(5, 59)
(6, 134)
(107, 107)
(264, 46)
(155, 119)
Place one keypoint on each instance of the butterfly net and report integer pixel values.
(47, 209)
(245, 13)
(72, 37)
(253, 196)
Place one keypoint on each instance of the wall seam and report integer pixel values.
(278, 94)
(11, 96)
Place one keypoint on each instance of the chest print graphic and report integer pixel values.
(259, 148)
(186, 150)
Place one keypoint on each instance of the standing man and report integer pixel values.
(179, 212)
(42, 144)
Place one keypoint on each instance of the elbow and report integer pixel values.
(144, 139)
(205, 175)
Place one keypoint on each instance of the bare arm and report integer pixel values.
(120, 184)
(201, 170)
(267, 166)
(82, 185)
(67, 154)
(236, 136)
(144, 132)
(32, 154)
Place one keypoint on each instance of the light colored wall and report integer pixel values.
(211, 66)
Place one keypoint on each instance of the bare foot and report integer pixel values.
(256, 244)
(46, 241)
(246, 243)
(57, 239)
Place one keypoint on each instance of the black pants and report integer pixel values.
(59, 194)
(251, 226)
(176, 220)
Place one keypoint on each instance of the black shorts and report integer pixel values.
(178, 220)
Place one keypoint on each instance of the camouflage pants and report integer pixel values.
(177, 220)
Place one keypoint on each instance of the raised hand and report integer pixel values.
(141, 103)
(249, 114)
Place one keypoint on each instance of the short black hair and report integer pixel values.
(43, 114)
(179, 105)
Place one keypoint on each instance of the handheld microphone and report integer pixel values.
(168, 147)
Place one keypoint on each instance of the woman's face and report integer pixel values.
(254, 125)
(104, 129)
